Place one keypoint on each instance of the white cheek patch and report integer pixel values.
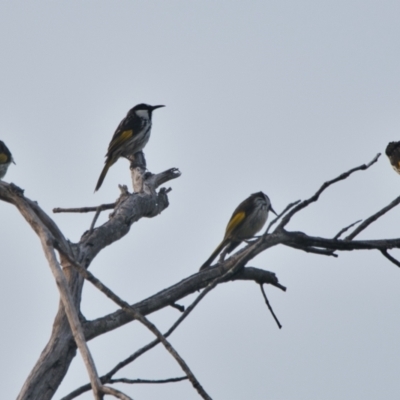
(143, 114)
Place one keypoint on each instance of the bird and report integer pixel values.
(393, 153)
(5, 159)
(131, 136)
(247, 219)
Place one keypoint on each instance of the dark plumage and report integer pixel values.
(393, 152)
(5, 159)
(131, 136)
(248, 218)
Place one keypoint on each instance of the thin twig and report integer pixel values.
(96, 215)
(288, 207)
(340, 233)
(102, 207)
(324, 186)
(373, 218)
(390, 258)
(178, 307)
(269, 307)
(155, 381)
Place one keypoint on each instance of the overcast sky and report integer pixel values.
(277, 96)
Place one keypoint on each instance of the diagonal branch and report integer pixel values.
(269, 307)
(47, 241)
(248, 273)
(136, 315)
(59, 353)
(164, 298)
(345, 229)
(315, 197)
(373, 218)
(72, 316)
(116, 393)
(288, 207)
(390, 258)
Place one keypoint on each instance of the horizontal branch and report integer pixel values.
(303, 240)
(102, 207)
(151, 381)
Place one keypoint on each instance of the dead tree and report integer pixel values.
(69, 263)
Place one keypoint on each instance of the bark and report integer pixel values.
(56, 358)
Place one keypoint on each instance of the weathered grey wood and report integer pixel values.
(55, 359)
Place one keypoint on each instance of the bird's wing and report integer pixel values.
(235, 221)
(3, 158)
(127, 128)
(118, 139)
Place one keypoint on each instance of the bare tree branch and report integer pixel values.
(151, 381)
(59, 353)
(47, 241)
(373, 218)
(219, 274)
(269, 306)
(136, 315)
(176, 292)
(116, 393)
(129, 208)
(315, 197)
(314, 250)
(390, 258)
(102, 207)
(288, 207)
(345, 229)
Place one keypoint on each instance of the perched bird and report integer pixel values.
(131, 136)
(5, 159)
(248, 218)
(393, 152)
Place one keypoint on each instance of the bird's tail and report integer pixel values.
(103, 174)
(214, 255)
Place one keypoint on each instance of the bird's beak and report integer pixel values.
(154, 107)
(273, 210)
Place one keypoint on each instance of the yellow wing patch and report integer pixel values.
(122, 138)
(3, 158)
(234, 222)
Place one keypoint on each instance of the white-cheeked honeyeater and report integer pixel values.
(393, 153)
(248, 218)
(5, 159)
(131, 136)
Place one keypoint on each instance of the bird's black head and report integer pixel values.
(391, 147)
(4, 149)
(143, 110)
(262, 196)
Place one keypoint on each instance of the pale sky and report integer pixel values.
(277, 96)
